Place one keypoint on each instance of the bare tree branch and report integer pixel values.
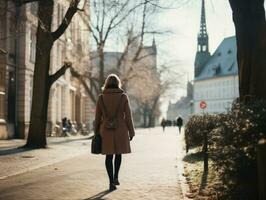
(142, 31)
(80, 77)
(112, 23)
(54, 77)
(73, 8)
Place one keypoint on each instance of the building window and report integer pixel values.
(32, 45)
(72, 97)
(73, 30)
(62, 14)
(2, 105)
(2, 79)
(58, 14)
(59, 56)
(2, 92)
(1, 30)
(31, 90)
(63, 101)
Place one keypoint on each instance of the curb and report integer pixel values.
(182, 180)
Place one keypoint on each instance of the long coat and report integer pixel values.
(114, 141)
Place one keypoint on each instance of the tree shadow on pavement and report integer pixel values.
(99, 196)
(204, 179)
(13, 150)
(193, 157)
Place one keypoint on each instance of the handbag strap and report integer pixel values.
(116, 111)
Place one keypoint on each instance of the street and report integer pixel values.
(150, 172)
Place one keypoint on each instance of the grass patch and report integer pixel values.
(204, 185)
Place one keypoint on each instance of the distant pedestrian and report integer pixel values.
(113, 121)
(179, 123)
(163, 124)
(174, 122)
(64, 125)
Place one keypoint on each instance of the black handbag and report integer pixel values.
(96, 144)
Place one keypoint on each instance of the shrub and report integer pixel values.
(234, 149)
(197, 126)
(233, 139)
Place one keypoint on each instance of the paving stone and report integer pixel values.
(149, 173)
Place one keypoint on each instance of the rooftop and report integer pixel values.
(223, 62)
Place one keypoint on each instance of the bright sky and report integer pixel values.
(179, 47)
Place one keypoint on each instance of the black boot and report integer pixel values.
(116, 181)
(112, 187)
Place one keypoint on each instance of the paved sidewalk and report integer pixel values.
(151, 172)
(16, 161)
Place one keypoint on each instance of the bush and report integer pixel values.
(197, 126)
(234, 148)
(233, 139)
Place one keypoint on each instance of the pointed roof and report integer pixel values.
(203, 26)
(203, 53)
(203, 38)
(223, 62)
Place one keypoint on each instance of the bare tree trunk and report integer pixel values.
(145, 116)
(152, 112)
(101, 65)
(41, 84)
(250, 25)
(151, 120)
(42, 81)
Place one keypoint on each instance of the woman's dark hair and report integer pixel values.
(112, 81)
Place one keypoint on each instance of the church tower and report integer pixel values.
(203, 54)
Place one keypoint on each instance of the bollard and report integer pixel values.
(261, 158)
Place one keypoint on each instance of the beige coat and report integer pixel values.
(114, 141)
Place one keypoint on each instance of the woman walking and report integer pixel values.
(113, 121)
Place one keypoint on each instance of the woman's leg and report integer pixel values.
(109, 167)
(118, 160)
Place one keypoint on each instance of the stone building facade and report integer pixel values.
(18, 42)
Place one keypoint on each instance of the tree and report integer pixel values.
(42, 81)
(108, 20)
(250, 25)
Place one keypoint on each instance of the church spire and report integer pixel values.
(203, 38)
(203, 53)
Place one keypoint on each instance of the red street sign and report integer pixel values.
(203, 105)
